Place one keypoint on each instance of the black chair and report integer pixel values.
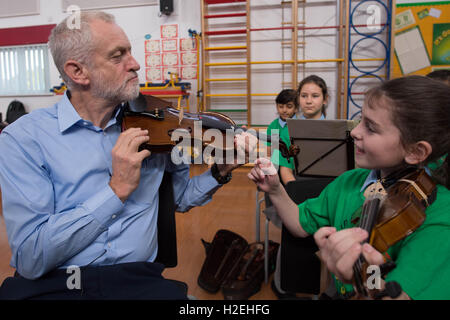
(167, 232)
(15, 110)
(300, 267)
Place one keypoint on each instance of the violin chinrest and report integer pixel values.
(147, 102)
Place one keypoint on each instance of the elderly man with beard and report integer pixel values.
(79, 197)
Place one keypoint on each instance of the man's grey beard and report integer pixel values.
(125, 92)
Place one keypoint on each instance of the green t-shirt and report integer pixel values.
(422, 258)
(276, 158)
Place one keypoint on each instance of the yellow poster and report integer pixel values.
(421, 37)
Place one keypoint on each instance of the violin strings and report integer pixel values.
(370, 208)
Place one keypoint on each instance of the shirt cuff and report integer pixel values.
(208, 181)
(104, 205)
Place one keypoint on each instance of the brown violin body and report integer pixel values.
(162, 121)
(403, 210)
(400, 212)
(168, 126)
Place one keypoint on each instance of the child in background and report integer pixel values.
(312, 98)
(400, 127)
(287, 108)
(312, 95)
(441, 75)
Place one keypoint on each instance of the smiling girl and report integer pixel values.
(401, 127)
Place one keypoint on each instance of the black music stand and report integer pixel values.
(326, 151)
(326, 147)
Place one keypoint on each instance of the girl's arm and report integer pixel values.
(286, 175)
(286, 208)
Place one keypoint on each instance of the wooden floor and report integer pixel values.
(233, 208)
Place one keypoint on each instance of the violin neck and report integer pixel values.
(368, 219)
(369, 214)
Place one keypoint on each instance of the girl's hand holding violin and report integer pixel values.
(339, 250)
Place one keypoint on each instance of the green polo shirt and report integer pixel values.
(422, 258)
(276, 158)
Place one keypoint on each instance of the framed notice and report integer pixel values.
(169, 31)
(189, 73)
(152, 60)
(421, 41)
(167, 71)
(170, 59)
(188, 44)
(169, 45)
(153, 74)
(410, 51)
(189, 57)
(441, 44)
(152, 46)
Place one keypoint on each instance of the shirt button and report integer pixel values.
(109, 244)
(113, 216)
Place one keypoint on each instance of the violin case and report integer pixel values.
(221, 255)
(247, 275)
(234, 266)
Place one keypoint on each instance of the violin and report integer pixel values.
(391, 212)
(168, 126)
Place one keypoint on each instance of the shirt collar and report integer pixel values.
(283, 123)
(371, 178)
(322, 117)
(68, 116)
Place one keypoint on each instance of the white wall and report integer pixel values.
(136, 22)
(142, 20)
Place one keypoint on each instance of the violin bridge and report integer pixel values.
(374, 189)
(180, 115)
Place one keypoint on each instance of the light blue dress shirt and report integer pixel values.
(58, 207)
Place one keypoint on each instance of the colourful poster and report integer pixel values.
(422, 37)
(441, 44)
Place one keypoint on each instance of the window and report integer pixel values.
(24, 70)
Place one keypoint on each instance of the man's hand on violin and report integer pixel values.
(127, 162)
(339, 250)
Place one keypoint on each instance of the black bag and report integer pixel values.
(2, 124)
(16, 109)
